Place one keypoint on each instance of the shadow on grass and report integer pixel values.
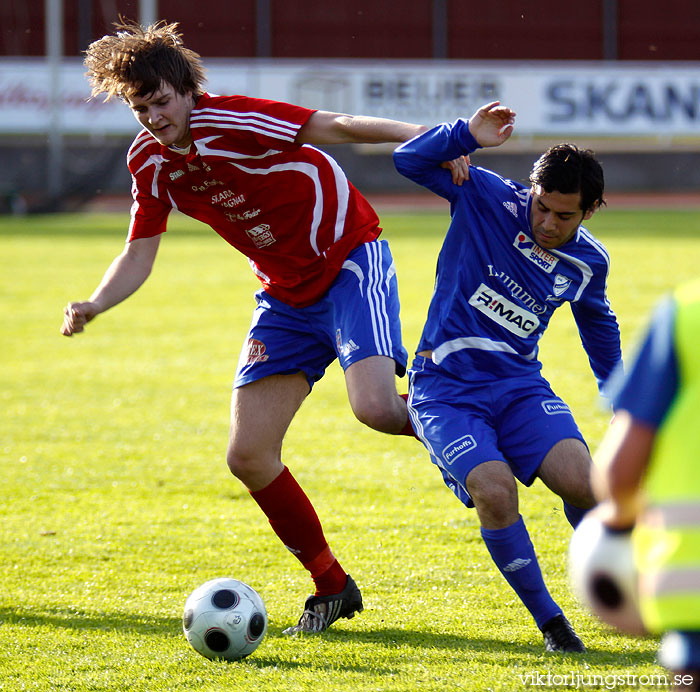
(78, 620)
(501, 653)
(486, 645)
(389, 638)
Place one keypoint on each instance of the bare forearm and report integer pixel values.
(123, 277)
(362, 128)
(336, 128)
(620, 466)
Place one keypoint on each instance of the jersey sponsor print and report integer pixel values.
(554, 406)
(506, 313)
(457, 448)
(255, 352)
(537, 255)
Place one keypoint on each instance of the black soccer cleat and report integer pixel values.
(320, 612)
(559, 635)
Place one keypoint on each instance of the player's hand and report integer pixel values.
(492, 124)
(459, 168)
(614, 516)
(76, 316)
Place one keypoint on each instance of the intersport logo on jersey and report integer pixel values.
(515, 319)
(530, 249)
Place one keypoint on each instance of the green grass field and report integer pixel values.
(118, 502)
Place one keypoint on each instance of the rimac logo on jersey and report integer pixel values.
(455, 449)
(543, 259)
(506, 313)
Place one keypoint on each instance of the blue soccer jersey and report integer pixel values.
(495, 288)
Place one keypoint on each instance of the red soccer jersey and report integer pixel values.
(287, 207)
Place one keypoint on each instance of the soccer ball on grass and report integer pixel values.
(224, 618)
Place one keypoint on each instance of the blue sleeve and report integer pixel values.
(648, 387)
(420, 158)
(598, 329)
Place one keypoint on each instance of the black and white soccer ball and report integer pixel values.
(224, 618)
(604, 576)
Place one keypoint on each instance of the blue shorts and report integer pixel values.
(357, 317)
(463, 424)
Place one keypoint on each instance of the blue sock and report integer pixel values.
(512, 551)
(573, 514)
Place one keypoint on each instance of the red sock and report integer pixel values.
(408, 428)
(296, 524)
(332, 581)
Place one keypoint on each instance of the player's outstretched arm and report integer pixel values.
(492, 124)
(324, 127)
(123, 277)
(620, 465)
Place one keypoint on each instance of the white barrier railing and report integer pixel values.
(649, 100)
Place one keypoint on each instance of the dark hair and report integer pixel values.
(565, 168)
(135, 61)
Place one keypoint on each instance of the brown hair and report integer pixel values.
(135, 61)
(568, 169)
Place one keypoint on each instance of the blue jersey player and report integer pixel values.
(512, 255)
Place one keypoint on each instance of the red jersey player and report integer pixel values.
(245, 167)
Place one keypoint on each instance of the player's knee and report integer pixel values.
(566, 470)
(241, 463)
(254, 465)
(380, 414)
(499, 504)
(495, 495)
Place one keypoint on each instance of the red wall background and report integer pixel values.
(422, 29)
